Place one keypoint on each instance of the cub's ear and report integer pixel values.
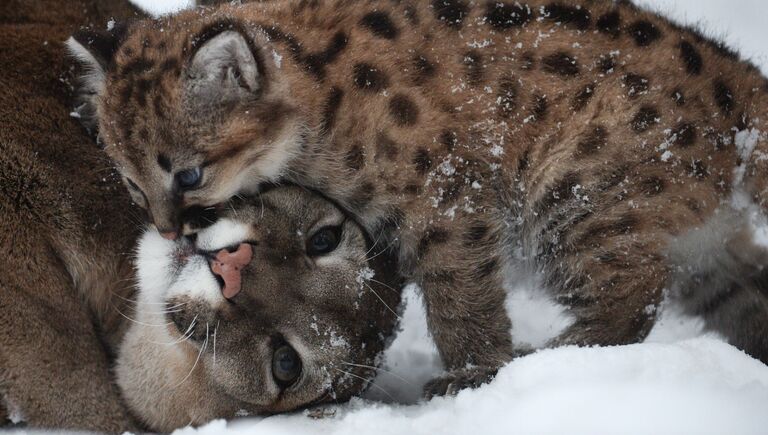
(94, 50)
(224, 69)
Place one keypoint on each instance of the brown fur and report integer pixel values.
(471, 137)
(65, 230)
(205, 357)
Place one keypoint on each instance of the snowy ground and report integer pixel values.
(678, 382)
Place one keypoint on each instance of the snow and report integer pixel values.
(679, 381)
(700, 386)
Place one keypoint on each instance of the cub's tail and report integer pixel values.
(720, 273)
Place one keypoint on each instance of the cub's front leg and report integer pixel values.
(461, 280)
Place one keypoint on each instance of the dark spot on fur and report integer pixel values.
(386, 147)
(422, 160)
(315, 63)
(678, 97)
(644, 33)
(403, 110)
(380, 24)
(451, 12)
(604, 229)
(606, 64)
(691, 57)
(684, 134)
(540, 107)
(449, 140)
(741, 122)
(423, 70)
(698, 169)
(473, 62)
(369, 78)
(486, 268)
(651, 186)
(475, 235)
(560, 191)
(581, 99)
(142, 88)
(507, 97)
(362, 196)
(355, 159)
(723, 96)
(507, 15)
(164, 162)
(636, 84)
(169, 65)
(575, 16)
(125, 92)
(561, 64)
(646, 117)
(592, 142)
(432, 236)
(136, 66)
(610, 24)
(332, 104)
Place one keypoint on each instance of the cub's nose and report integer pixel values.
(169, 235)
(227, 265)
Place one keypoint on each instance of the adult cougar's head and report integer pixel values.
(282, 303)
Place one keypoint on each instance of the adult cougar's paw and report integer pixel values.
(457, 380)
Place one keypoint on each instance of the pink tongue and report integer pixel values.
(228, 265)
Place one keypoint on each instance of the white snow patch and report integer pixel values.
(535, 317)
(277, 58)
(411, 359)
(745, 141)
(700, 386)
(15, 416)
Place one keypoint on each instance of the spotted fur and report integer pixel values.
(465, 140)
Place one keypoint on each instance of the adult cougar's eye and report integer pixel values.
(324, 241)
(286, 365)
(189, 178)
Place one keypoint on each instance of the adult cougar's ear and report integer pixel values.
(223, 70)
(95, 51)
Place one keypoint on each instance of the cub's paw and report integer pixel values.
(457, 380)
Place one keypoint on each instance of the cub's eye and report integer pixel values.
(286, 365)
(324, 241)
(189, 178)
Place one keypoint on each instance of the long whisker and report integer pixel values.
(385, 285)
(137, 321)
(184, 337)
(382, 300)
(380, 369)
(383, 250)
(215, 331)
(197, 360)
(367, 381)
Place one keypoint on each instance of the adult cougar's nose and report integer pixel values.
(227, 265)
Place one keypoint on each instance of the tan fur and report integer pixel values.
(189, 359)
(65, 230)
(574, 139)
